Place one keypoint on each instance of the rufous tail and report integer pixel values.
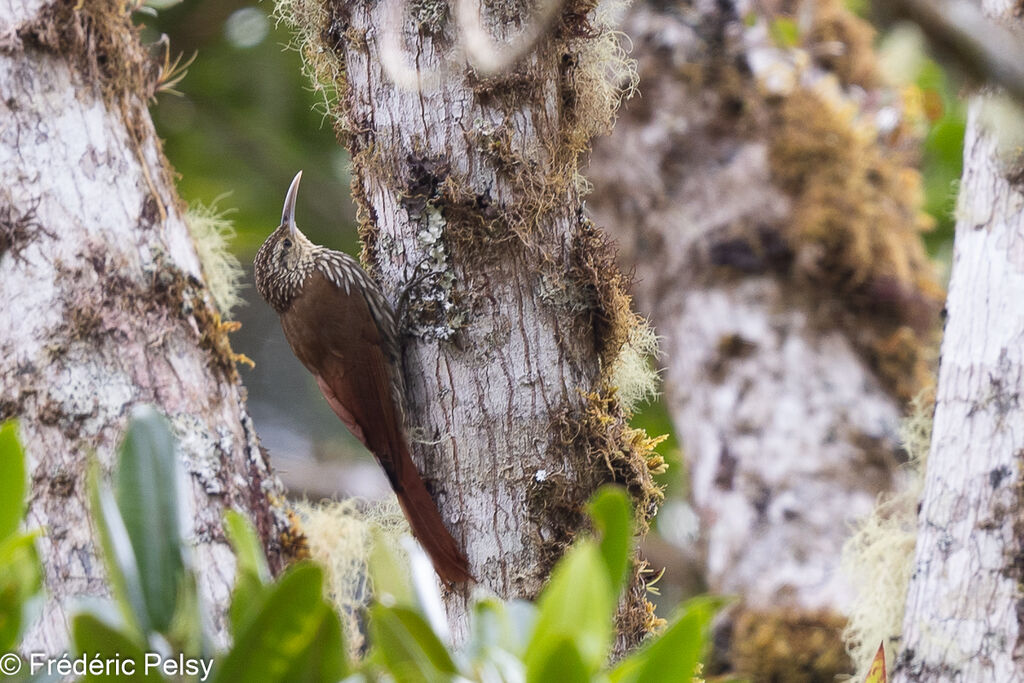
(429, 529)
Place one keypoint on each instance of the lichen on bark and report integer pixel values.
(774, 224)
(105, 303)
(474, 178)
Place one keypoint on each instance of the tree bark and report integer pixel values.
(516, 336)
(104, 303)
(963, 619)
(775, 242)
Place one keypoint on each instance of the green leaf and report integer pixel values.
(20, 580)
(12, 480)
(324, 659)
(247, 545)
(253, 572)
(409, 648)
(285, 634)
(185, 632)
(147, 496)
(561, 664)
(577, 604)
(613, 519)
(118, 554)
(498, 635)
(246, 598)
(102, 641)
(673, 656)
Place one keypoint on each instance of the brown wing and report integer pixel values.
(335, 337)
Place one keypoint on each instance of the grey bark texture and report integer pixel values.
(776, 251)
(515, 335)
(104, 306)
(963, 619)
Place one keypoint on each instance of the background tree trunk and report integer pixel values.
(104, 302)
(776, 248)
(963, 619)
(516, 339)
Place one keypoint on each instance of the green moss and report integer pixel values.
(855, 230)
(788, 645)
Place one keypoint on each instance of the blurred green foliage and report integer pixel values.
(942, 156)
(246, 121)
(285, 630)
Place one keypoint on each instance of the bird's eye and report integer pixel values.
(287, 243)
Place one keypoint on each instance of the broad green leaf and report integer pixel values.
(410, 649)
(20, 580)
(247, 545)
(102, 641)
(613, 519)
(674, 655)
(147, 496)
(561, 664)
(253, 571)
(12, 480)
(324, 659)
(185, 633)
(118, 554)
(246, 598)
(577, 604)
(502, 625)
(877, 673)
(287, 627)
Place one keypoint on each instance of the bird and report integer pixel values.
(342, 328)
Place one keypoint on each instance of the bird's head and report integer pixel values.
(286, 258)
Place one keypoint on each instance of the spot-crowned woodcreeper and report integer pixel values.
(342, 328)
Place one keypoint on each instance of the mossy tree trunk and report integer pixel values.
(963, 619)
(776, 247)
(515, 339)
(104, 305)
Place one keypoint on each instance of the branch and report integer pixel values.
(983, 47)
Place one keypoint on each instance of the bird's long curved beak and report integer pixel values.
(288, 214)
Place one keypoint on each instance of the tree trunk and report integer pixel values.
(104, 302)
(517, 336)
(963, 619)
(776, 248)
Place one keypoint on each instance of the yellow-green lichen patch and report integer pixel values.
(294, 542)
